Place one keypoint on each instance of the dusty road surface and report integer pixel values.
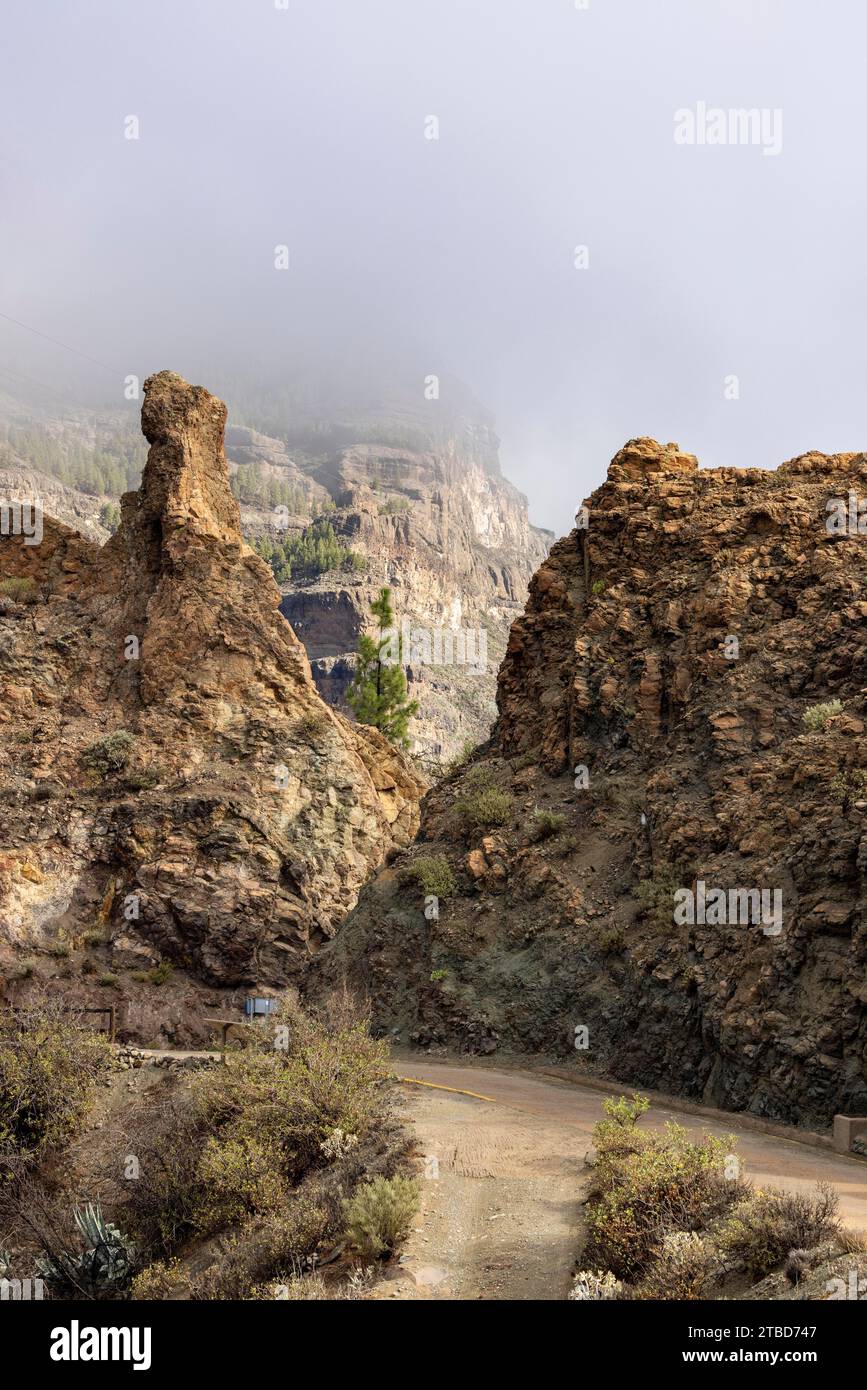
(501, 1215)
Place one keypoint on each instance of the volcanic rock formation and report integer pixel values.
(172, 780)
(668, 718)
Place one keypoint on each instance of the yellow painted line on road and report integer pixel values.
(455, 1090)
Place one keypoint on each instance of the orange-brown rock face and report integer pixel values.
(657, 706)
(458, 553)
(246, 814)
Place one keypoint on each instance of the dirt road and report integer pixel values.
(501, 1215)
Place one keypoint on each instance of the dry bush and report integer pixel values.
(272, 1249)
(161, 1207)
(545, 824)
(767, 1225)
(595, 1286)
(240, 1177)
(684, 1265)
(291, 1090)
(817, 717)
(267, 1147)
(19, 589)
(852, 1242)
(162, 1280)
(433, 875)
(50, 1066)
(485, 807)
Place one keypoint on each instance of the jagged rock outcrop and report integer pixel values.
(652, 710)
(228, 828)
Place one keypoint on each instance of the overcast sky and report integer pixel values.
(306, 127)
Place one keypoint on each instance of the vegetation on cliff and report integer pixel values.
(378, 693)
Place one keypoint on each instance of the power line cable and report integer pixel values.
(58, 392)
(57, 343)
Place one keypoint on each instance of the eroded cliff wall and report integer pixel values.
(682, 704)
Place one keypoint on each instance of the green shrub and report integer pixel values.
(437, 976)
(432, 873)
(624, 1111)
(766, 1225)
(647, 1185)
(108, 981)
(597, 587)
(19, 590)
(468, 748)
(524, 760)
(49, 1069)
(145, 779)
(816, 717)
(546, 823)
(612, 941)
(656, 895)
(239, 1177)
(157, 1282)
(486, 807)
(847, 785)
(109, 754)
(380, 1213)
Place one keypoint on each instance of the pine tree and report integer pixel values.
(378, 691)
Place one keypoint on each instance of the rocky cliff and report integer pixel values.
(657, 866)
(174, 787)
(433, 519)
(409, 495)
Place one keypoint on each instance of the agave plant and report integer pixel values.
(106, 1262)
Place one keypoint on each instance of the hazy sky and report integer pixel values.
(305, 126)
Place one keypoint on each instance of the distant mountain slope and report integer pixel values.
(442, 528)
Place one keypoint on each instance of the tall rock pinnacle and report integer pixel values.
(178, 778)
